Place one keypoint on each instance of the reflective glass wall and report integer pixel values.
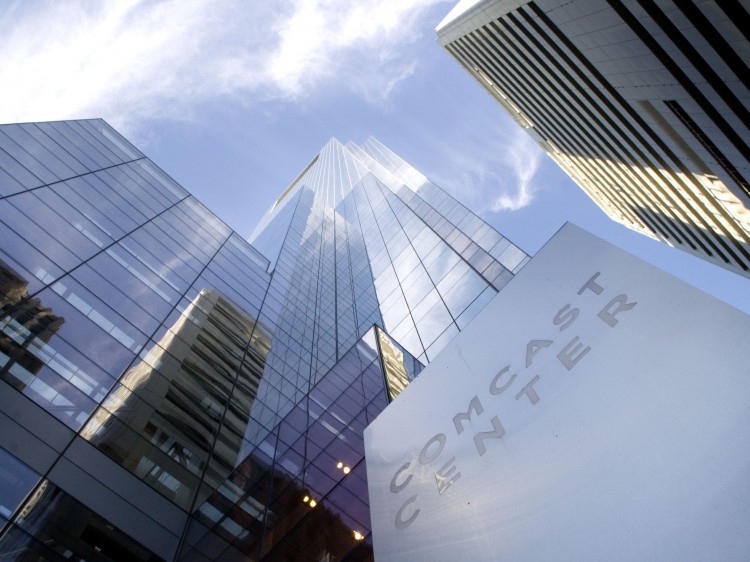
(130, 353)
(189, 395)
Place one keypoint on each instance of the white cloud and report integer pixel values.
(491, 170)
(128, 60)
(522, 159)
(360, 45)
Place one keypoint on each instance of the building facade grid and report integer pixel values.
(170, 391)
(643, 103)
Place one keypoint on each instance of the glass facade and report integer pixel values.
(172, 392)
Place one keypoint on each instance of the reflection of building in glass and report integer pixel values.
(643, 104)
(171, 411)
(302, 491)
(26, 326)
(205, 397)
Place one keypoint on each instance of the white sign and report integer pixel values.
(596, 409)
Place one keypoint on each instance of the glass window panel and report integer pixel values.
(28, 160)
(452, 277)
(102, 214)
(511, 257)
(92, 138)
(109, 189)
(73, 134)
(57, 527)
(8, 184)
(352, 510)
(32, 139)
(434, 323)
(247, 288)
(416, 287)
(17, 171)
(148, 183)
(103, 315)
(29, 339)
(54, 132)
(440, 261)
(474, 308)
(53, 393)
(442, 340)
(85, 335)
(135, 313)
(149, 450)
(463, 292)
(116, 142)
(16, 480)
(499, 248)
(169, 187)
(44, 271)
(426, 305)
(54, 240)
(171, 261)
(141, 196)
(190, 241)
(135, 279)
(75, 218)
(206, 218)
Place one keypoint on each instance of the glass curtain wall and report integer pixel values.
(182, 390)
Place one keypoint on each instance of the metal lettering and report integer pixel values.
(443, 477)
(396, 488)
(480, 438)
(494, 389)
(592, 285)
(568, 355)
(529, 391)
(622, 306)
(565, 317)
(400, 523)
(423, 457)
(459, 418)
(533, 347)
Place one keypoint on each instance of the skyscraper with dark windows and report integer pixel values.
(172, 392)
(643, 103)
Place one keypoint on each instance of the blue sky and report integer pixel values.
(234, 98)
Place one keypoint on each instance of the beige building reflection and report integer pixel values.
(177, 418)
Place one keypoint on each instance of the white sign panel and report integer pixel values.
(596, 409)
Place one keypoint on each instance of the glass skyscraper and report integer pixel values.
(171, 391)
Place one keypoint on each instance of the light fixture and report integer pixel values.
(340, 464)
(358, 536)
(313, 503)
(347, 470)
(306, 499)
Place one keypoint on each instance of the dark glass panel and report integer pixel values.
(321, 535)
(155, 456)
(53, 526)
(16, 481)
